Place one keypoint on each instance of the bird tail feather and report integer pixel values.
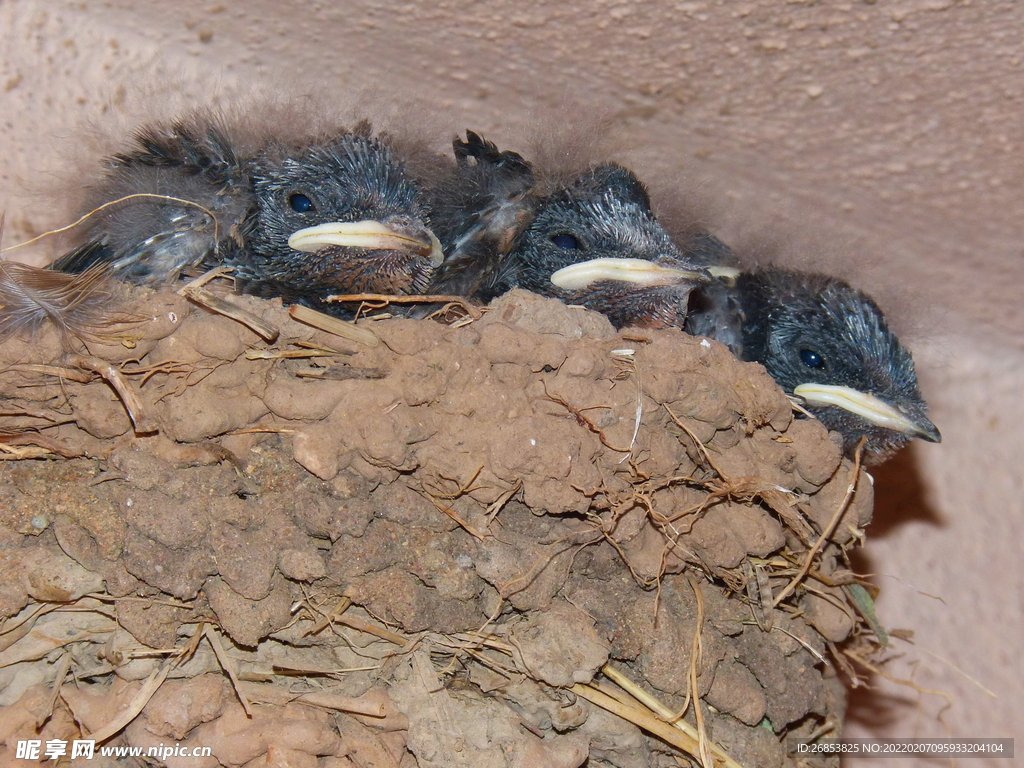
(81, 259)
(78, 305)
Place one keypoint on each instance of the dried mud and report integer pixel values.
(433, 556)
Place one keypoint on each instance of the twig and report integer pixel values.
(582, 420)
(56, 371)
(359, 706)
(265, 330)
(290, 354)
(496, 506)
(228, 666)
(542, 563)
(698, 443)
(342, 373)
(435, 494)
(662, 711)
(473, 311)
(63, 666)
(646, 720)
(810, 649)
(961, 672)
(44, 443)
(696, 652)
(208, 277)
(802, 573)
(759, 593)
(144, 425)
(346, 330)
(454, 516)
(137, 704)
(19, 626)
(898, 680)
(105, 598)
(627, 359)
(372, 629)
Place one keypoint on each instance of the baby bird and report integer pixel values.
(593, 241)
(301, 220)
(824, 342)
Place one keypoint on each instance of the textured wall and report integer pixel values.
(877, 139)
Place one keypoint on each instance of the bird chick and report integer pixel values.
(593, 242)
(825, 343)
(301, 220)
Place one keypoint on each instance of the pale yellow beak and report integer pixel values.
(724, 273)
(869, 407)
(639, 272)
(372, 235)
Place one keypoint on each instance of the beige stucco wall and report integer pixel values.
(881, 139)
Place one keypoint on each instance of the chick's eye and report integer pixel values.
(811, 359)
(300, 203)
(566, 241)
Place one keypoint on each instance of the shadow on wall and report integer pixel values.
(876, 710)
(900, 498)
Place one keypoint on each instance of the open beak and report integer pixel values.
(637, 271)
(874, 409)
(373, 235)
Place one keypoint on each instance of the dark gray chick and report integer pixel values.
(301, 220)
(593, 241)
(824, 342)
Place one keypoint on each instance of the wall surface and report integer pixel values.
(877, 139)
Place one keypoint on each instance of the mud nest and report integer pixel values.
(524, 540)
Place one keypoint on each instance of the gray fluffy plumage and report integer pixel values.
(501, 230)
(241, 206)
(809, 329)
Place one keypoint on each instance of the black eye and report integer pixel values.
(811, 359)
(566, 241)
(300, 203)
